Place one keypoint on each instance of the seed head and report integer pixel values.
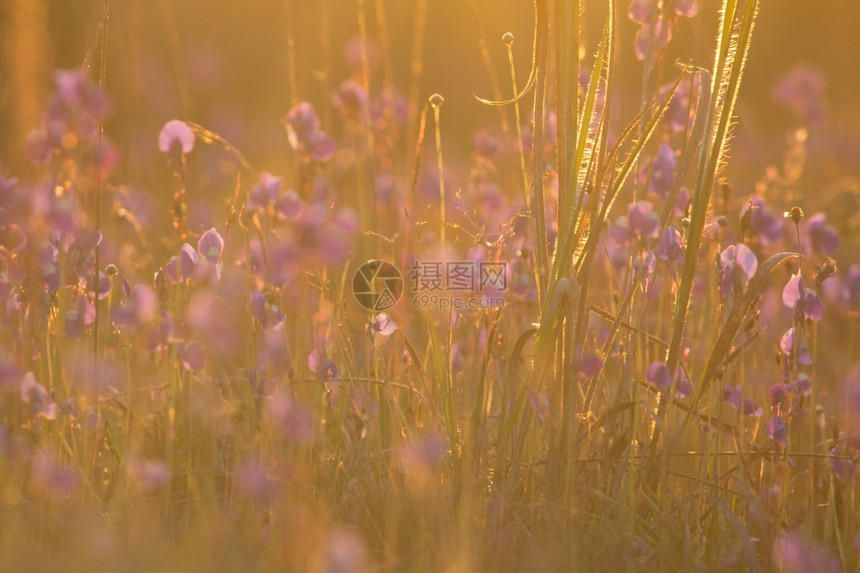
(436, 100)
(795, 214)
(508, 38)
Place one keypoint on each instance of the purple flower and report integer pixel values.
(792, 347)
(851, 288)
(176, 138)
(658, 375)
(591, 365)
(733, 397)
(383, 325)
(802, 385)
(350, 99)
(763, 223)
(843, 469)
(751, 408)
(801, 89)
(777, 393)
(486, 146)
(803, 301)
(641, 221)
(265, 192)
(211, 245)
(683, 387)
(669, 249)
(687, 8)
(793, 553)
(34, 394)
(325, 368)
(640, 11)
(209, 266)
(193, 355)
(656, 37)
(179, 269)
(305, 133)
(289, 205)
(776, 431)
(681, 110)
(662, 171)
(738, 264)
(821, 238)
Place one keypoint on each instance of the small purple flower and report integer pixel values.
(681, 110)
(211, 245)
(803, 301)
(683, 387)
(591, 365)
(193, 355)
(733, 397)
(662, 171)
(640, 11)
(669, 249)
(801, 89)
(180, 269)
(486, 146)
(176, 138)
(776, 431)
(350, 99)
(656, 37)
(289, 205)
(305, 133)
(265, 192)
(658, 375)
(383, 325)
(851, 288)
(325, 368)
(802, 385)
(778, 393)
(793, 553)
(641, 221)
(687, 8)
(752, 409)
(34, 394)
(821, 238)
(843, 468)
(763, 223)
(738, 264)
(792, 347)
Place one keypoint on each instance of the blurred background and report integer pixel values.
(224, 65)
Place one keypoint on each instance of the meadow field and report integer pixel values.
(349, 286)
